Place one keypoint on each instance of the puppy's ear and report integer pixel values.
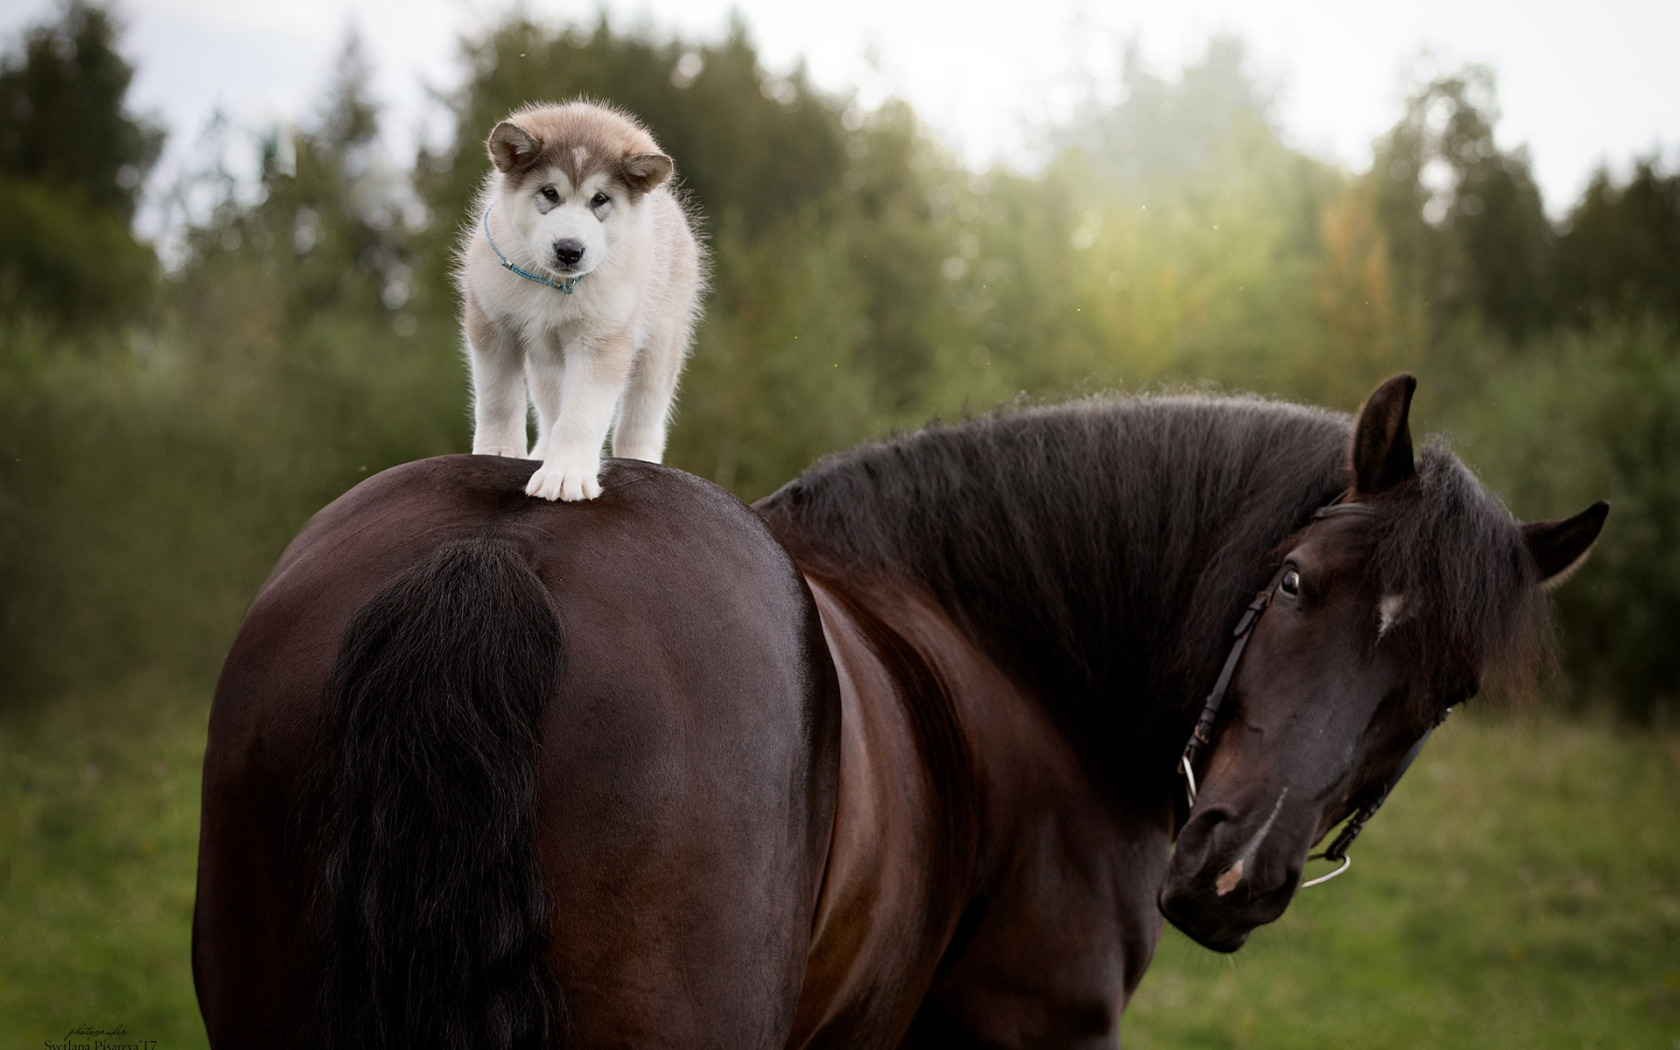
(511, 147)
(644, 171)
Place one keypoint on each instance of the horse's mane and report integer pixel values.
(1453, 549)
(1102, 549)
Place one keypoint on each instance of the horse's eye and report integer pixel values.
(1291, 583)
(550, 194)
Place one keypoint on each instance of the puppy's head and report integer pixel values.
(570, 179)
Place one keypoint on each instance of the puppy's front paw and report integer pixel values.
(565, 481)
(509, 451)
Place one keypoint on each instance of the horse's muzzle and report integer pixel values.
(1222, 883)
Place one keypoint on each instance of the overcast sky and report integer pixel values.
(1579, 83)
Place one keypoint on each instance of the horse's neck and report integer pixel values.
(1099, 559)
(956, 784)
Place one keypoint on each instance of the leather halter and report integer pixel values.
(1202, 735)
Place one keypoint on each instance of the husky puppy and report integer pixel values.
(580, 279)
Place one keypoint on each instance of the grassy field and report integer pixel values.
(98, 853)
(1521, 889)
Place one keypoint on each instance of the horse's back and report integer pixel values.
(683, 771)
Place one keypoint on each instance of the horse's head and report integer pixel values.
(1387, 610)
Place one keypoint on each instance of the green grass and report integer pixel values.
(1521, 889)
(98, 854)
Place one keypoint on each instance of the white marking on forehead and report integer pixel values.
(1389, 611)
(579, 155)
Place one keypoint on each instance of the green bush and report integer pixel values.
(77, 267)
(1582, 416)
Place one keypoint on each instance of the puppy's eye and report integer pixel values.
(550, 194)
(600, 200)
(1291, 583)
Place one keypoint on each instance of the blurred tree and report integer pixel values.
(72, 267)
(1366, 335)
(323, 236)
(343, 201)
(1163, 130)
(73, 160)
(1620, 251)
(1463, 218)
(885, 212)
(1193, 231)
(63, 117)
(781, 377)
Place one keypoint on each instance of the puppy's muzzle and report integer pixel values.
(568, 253)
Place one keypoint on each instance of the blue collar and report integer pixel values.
(564, 284)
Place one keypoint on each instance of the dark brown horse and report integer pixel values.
(890, 760)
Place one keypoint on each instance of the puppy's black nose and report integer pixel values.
(568, 252)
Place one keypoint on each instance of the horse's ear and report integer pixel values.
(1382, 439)
(511, 147)
(1559, 547)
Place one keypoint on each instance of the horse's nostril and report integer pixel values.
(1206, 820)
(568, 252)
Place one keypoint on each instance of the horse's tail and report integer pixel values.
(432, 913)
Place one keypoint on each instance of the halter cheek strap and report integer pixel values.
(1202, 735)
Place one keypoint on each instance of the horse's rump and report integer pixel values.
(594, 726)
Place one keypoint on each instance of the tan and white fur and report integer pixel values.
(579, 191)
